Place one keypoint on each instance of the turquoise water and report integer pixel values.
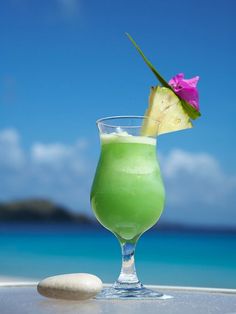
(168, 258)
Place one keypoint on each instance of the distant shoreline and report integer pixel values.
(40, 214)
(73, 227)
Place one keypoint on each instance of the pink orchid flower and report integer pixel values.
(186, 89)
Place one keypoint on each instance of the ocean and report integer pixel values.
(162, 257)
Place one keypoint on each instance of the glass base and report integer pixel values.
(138, 294)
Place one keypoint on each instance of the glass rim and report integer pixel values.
(101, 121)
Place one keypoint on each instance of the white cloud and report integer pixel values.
(56, 171)
(57, 156)
(49, 152)
(198, 190)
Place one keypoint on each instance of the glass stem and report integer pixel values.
(128, 278)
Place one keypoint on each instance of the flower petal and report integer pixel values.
(186, 89)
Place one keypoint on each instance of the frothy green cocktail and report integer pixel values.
(127, 195)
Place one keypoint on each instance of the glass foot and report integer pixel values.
(139, 293)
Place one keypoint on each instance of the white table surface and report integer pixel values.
(23, 298)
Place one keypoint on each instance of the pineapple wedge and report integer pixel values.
(166, 113)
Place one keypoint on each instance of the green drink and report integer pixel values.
(127, 194)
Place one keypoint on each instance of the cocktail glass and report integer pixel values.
(127, 194)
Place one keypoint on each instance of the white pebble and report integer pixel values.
(79, 286)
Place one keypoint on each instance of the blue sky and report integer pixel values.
(65, 63)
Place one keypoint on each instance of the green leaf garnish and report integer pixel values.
(149, 64)
(190, 110)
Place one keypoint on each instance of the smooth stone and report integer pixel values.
(79, 286)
